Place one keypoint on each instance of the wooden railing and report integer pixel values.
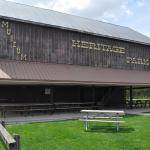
(10, 142)
(74, 106)
(24, 107)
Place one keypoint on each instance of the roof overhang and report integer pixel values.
(19, 72)
(69, 83)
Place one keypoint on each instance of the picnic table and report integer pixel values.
(74, 106)
(106, 116)
(24, 107)
(139, 103)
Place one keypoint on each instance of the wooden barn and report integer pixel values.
(55, 61)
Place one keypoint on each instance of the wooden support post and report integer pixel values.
(52, 98)
(17, 139)
(78, 94)
(124, 97)
(52, 95)
(93, 95)
(131, 97)
(3, 123)
(7, 139)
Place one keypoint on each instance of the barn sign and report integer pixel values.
(109, 48)
(25, 42)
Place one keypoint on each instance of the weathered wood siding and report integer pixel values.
(28, 42)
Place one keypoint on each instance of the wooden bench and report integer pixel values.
(74, 106)
(24, 107)
(10, 142)
(114, 118)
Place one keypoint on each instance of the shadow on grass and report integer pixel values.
(131, 115)
(108, 129)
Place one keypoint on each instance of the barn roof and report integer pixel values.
(26, 13)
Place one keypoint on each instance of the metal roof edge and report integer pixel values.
(75, 30)
(59, 82)
(46, 9)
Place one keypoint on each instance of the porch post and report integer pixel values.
(79, 94)
(52, 95)
(93, 95)
(131, 97)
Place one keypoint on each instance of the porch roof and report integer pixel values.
(35, 73)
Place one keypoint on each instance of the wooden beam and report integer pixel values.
(52, 95)
(93, 95)
(78, 93)
(131, 97)
(8, 140)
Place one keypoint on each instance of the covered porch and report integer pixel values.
(41, 86)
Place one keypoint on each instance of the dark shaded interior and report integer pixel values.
(105, 96)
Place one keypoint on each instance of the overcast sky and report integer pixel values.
(130, 13)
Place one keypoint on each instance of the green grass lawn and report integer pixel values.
(69, 135)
